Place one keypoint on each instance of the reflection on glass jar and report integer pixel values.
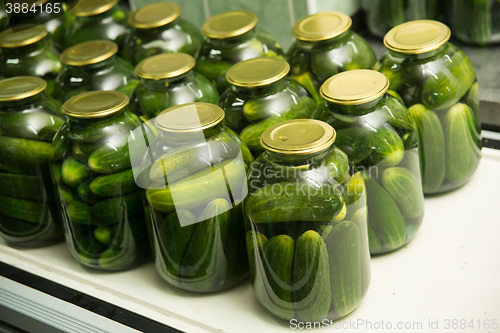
(261, 95)
(438, 84)
(306, 224)
(325, 46)
(159, 28)
(231, 37)
(99, 200)
(29, 121)
(29, 52)
(380, 137)
(93, 65)
(167, 80)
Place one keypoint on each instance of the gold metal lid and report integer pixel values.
(189, 118)
(416, 37)
(165, 66)
(24, 37)
(229, 24)
(85, 8)
(321, 26)
(88, 53)
(21, 87)
(257, 72)
(154, 15)
(95, 104)
(354, 87)
(298, 137)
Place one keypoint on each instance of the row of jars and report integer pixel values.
(177, 181)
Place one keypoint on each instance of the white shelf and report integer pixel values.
(451, 270)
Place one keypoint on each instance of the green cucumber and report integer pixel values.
(116, 210)
(78, 153)
(360, 218)
(278, 262)
(311, 294)
(384, 216)
(21, 186)
(290, 201)
(432, 147)
(308, 81)
(406, 190)
(255, 242)
(37, 125)
(73, 172)
(67, 194)
(354, 188)
(86, 194)
(397, 96)
(78, 212)
(103, 235)
(355, 142)
(200, 188)
(18, 231)
(472, 100)
(373, 240)
(26, 210)
(109, 159)
(344, 253)
(399, 117)
(259, 108)
(338, 163)
(119, 125)
(114, 184)
(388, 148)
(480, 27)
(246, 154)
(462, 154)
(24, 153)
(211, 68)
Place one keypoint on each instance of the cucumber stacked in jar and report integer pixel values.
(195, 187)
(380, 137)
(100, 202)
(438, 84)
(262, 95)
(306, 224)
(29, 121)
(324, 47)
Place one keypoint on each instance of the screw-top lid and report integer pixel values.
(189, 118)
(321, 26)
(416, 37)
(354, 87)
(87, 53)
(24, 37)
(257, 72)
(21, 87)
(229, 24)
(92, 7)
(154, 15)
(165, 66)
(95, 104)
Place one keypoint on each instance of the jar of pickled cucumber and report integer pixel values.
(166, 80)
(195, 182)
(231, 37)
(475, 22)
(4, 18)
(380, 137)
(93, 65)
(382, 15)
(325, 46)
(159, 28)
(438, 84)
(261, 95)
(100, 203)
(305, 217)
(29, 121)
(91, 20)
(29, 52)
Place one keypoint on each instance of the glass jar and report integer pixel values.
(306, 224)
(438, 84)
(100, 203)
(93, 65)
(382, 15)
(231, 37)
(380, 137)
(29, 52)
(261, 95)
(29, 121)
(325, 46)
(195, 181)
(475, 22)
(91, 20)
(158, 28)
(168, 79)
(4, 18)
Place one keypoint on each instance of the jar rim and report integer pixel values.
(321, 26)
(189, 118)
(21, 87)
(154, 15)
(229, 24)
(257, 72)
(88, 53)
(95, 104)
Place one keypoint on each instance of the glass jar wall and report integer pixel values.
(380, 137)
(325, 46)
(438, 84)
(29, 121)
(306, 225)
(99, 200)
